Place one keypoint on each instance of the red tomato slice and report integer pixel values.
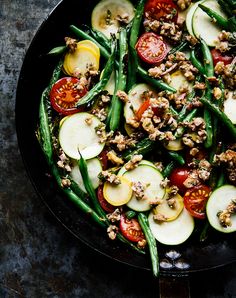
(64, 95)
(162, 10)
(195, 200)
(145, 105)
(219, 57)
(178, 176)
(131, 229)
(104, 204)
(104, 159)
(151, 48)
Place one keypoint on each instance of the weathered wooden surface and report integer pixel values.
(37, 257)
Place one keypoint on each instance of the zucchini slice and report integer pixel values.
(118, 195)
(142, 162)
(135, 100)
(171, 213)
(151, 179)
(80, 60)
(230, 106)
(76, 134)
(172, 232)
(178, 80)
(189, 17)
(218, 201)
(202, 23)
(106, 13)
(94, 168)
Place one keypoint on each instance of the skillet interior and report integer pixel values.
(34, 77)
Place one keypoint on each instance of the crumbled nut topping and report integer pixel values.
(109, 177)
(112, 231)
(134, 162)
(114, 158)
(114, 216)
(225, 215)
(138, 190)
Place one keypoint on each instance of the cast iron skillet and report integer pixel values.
(34, 77)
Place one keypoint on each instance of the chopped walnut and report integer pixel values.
(112, 156)
(89, 120)
(105, 98)
(228, 159)
(100, 113)
(64, 161)
(133, 163)
(217, 93)
(204, 169)
(114, 216)
(65, 182)
(165, 182)
(192, 180)
(142, 243)
(109, 177)
(225, 215)
(122, 142)
(138, 190)
(122, 96)
(159, 217)
(112, 231)
(71, 44)
(183, 4)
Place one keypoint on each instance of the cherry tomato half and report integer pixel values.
(162, 10)
(178, 176)
(220, 57)
(131, 229)
(195, 200)
(103, 159)
(104, 204)
(64, 95)
(145, 105)
(151, 48)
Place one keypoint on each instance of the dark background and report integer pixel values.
(38, 258)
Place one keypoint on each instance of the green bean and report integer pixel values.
(208, 120)
(80, 33)
(176, 157)
(221, 116)
(173, 111)
(221, 21)
(151, 243)
(189, 117)
(89, 187)
(154, 82)
(207, 59)
(134, 32)
(99, 87)
(116, 105)
(57, 50)
(168, 169)
(143, 147)
(204, 233)
(112, 100)
(225, 6)
(221, 180)
(100, 38)
(78, 191)
(178, 48)
(130, 214)
(196, 62)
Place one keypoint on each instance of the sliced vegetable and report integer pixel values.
(230, 106)
(80, 61)
(130, 229)
(136, 99)
(220, 57)
(219, 200)
(104, 204)
(178, 80)
(172, 232)
(106, 15)
(168, 210)
(76, 134)
(195, 200)
(64, 95)
(151, 48)
(142, 162)
(162, 10)
(94, 168)
(118, 195)
(189, 16)
(150, 179)
(174, 145)
(201, 21)
(178, 176)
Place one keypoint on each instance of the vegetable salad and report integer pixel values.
(138, 121)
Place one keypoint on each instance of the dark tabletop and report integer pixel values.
(38, 258)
